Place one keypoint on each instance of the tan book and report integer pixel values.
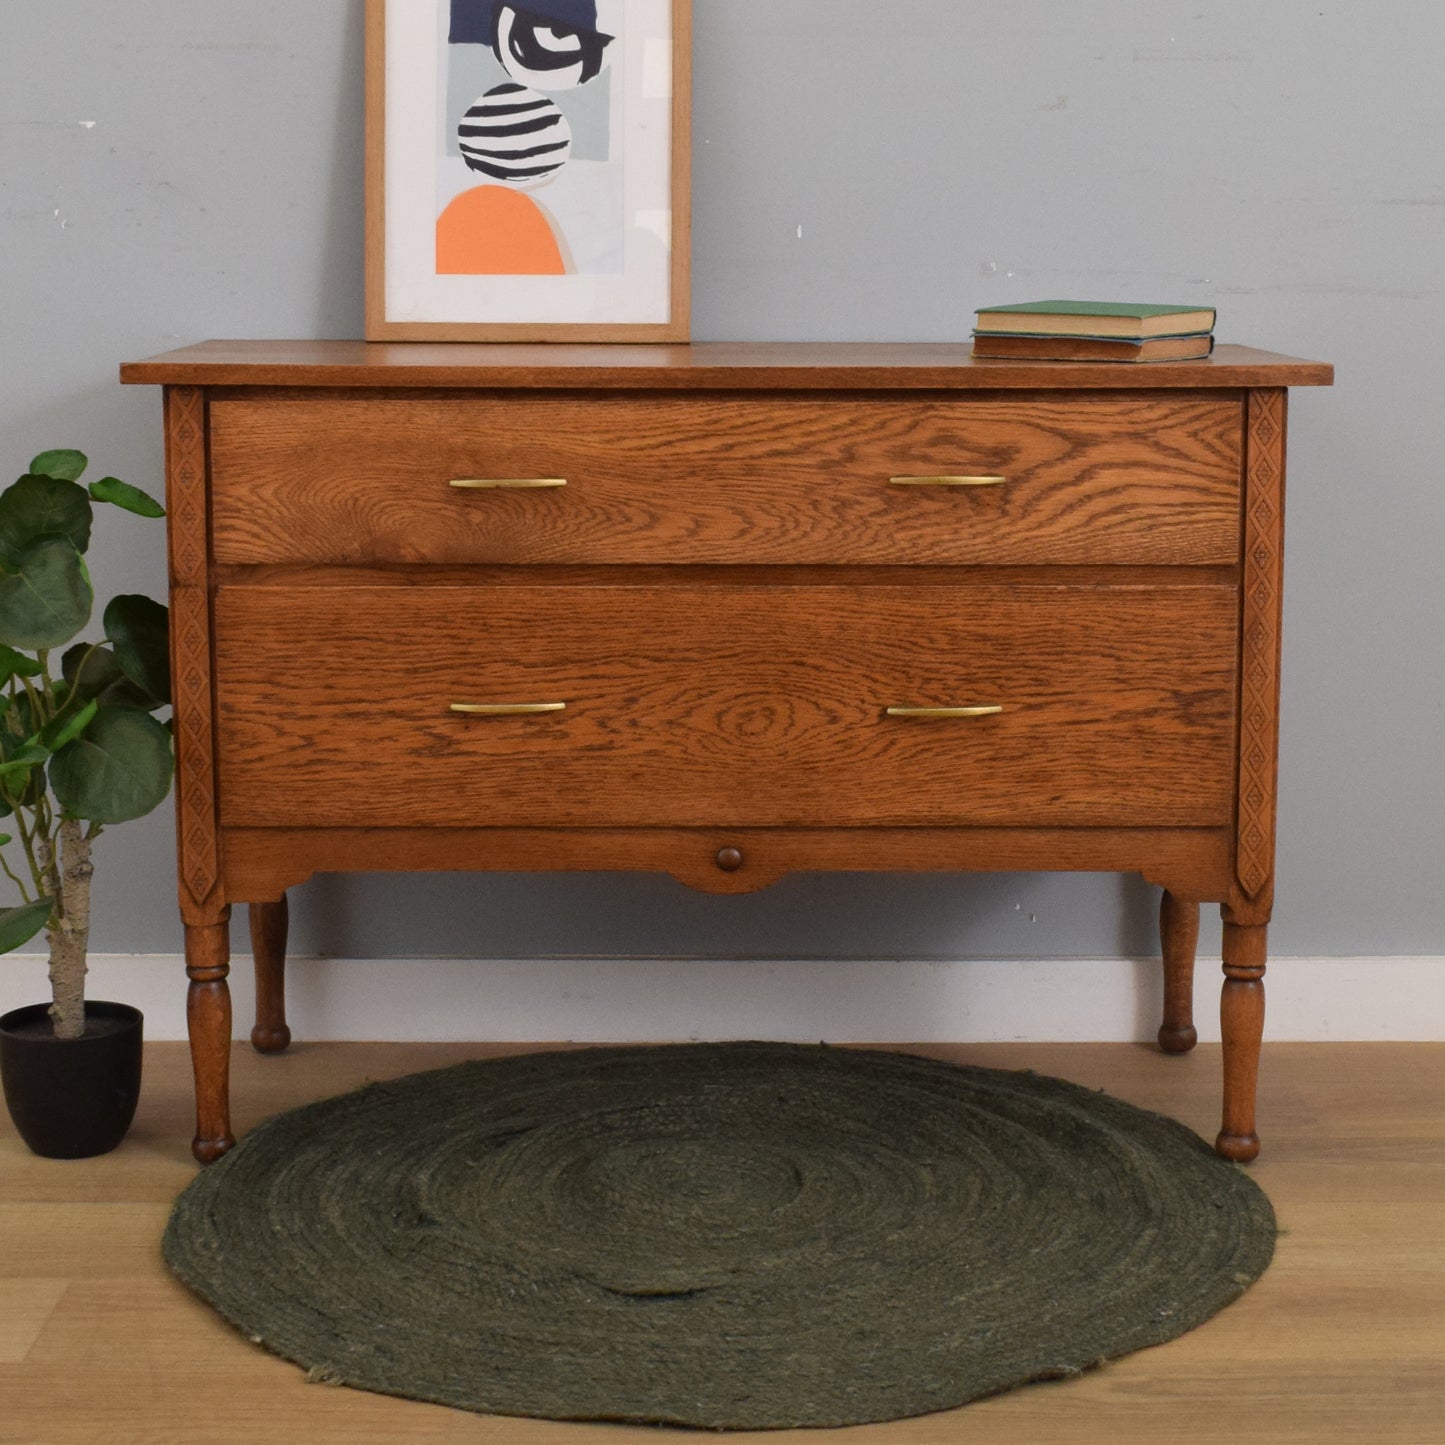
(1092, 348)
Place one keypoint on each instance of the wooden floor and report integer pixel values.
(1342, 1340)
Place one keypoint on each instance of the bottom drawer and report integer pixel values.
(723, 704)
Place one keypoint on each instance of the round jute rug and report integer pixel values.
(738, 1236)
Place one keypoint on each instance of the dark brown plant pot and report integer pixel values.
(72, 1098)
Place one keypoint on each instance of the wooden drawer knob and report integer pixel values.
(729, 859)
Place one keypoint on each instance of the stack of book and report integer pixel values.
(1094, 331)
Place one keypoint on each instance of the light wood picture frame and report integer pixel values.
(528, 170)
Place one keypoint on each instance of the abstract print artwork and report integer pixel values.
(527, 176)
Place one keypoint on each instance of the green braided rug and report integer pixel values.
(743, 1236)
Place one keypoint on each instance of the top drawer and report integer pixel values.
(1088, 478)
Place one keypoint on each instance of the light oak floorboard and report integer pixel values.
(1342, 1340)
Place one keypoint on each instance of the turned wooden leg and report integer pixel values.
(208, 1020)
(1241, 1017)
(269, 922)
(1178, 936)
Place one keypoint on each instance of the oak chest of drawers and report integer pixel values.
(725, 611)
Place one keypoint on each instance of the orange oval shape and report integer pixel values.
(493, 231)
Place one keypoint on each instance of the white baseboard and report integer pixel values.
(606, 1000)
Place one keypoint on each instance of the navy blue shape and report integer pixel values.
(472, 20)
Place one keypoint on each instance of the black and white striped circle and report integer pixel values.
(514, 135)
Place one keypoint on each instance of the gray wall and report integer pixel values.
(172, 170)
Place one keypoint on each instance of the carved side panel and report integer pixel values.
(1262, 578)
(199, 859)
(186, 484)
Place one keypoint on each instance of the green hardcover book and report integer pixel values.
(1096, 318)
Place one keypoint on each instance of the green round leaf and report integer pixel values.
(122, 494)
(15, 770)
(38, 506)
(20, 925)
(16, 664)
(66, 464)
(45, 597)
(137, 629)
(119, 769)
(93, 673)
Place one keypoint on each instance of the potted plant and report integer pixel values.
(80, 749)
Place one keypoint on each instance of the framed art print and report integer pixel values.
(528, 169)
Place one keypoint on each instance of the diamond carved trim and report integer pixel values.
(1263, 575)
(191, 642)
(186, 483)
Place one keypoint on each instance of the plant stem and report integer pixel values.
(39, 712)
(60, 864)
(70, 941)
(24, 891)
(27, 842)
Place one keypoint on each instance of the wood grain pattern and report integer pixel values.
(1196, 861)
(728, 602)
(921, 579)
(208, 1023)
(270, 923)
(26, 1306)
(726, 706)
(679, 326)
(1118, 479)
(1263, 584)
(708, 366)
(375, 167)
(379, 326)
(1179, 938)
(199, 866)
(1241, 1017)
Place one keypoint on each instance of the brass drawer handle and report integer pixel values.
(519, 484)
(983, 481)
(944, 711)
(507, 709)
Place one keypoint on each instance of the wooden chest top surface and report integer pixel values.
(724, 365)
